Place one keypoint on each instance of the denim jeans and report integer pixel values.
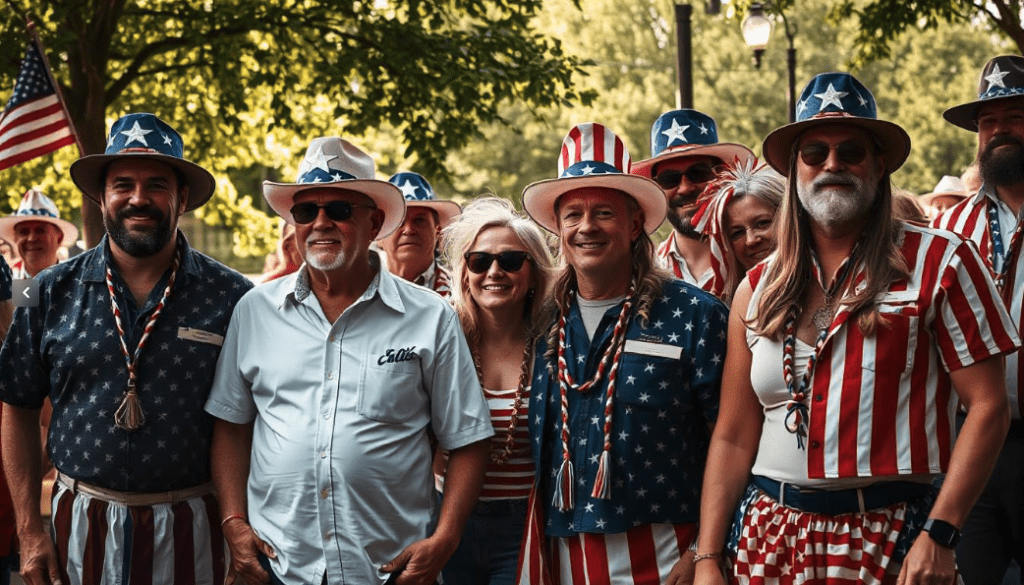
(488, 553)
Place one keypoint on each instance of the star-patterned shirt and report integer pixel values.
(6, 280)
(666, 392)
(67, 349)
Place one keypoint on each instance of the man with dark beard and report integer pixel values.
(124, 342)
(991, 218)
(849, 350)
(685, 152)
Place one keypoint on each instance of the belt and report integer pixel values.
(134, 498)
(502, 507)
(834, 502)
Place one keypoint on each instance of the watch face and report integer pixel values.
(942, 532)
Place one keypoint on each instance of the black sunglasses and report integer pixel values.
(480, 262)
(336, 211)
(849, 153)
(696, 174)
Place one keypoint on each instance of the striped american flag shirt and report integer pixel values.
(883, 404)
(514, 477)
(969, 218)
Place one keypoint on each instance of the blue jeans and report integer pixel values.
(488, 553)
(8, 564)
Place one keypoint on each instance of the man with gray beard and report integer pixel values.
(848, 351)
(994, 532)
(331, 382)
(123, 340)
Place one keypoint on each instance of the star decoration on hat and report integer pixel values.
(800, 107)
(831, 97)
(860, 98)
(587, 170)
(317, 161)
(337, 177)
(167, 139)
(996, 77)
(136, 134)
(676, 132)
(408, 190)
(703, 129)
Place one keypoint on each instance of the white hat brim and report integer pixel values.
(539, 198)
(446, 210)
(67, 229)
(387, 197)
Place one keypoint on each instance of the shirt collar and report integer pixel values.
(384, 283)
(96, 266)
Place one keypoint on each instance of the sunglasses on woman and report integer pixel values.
(480, 262)
(697, 173)
(850, 152)
(336, 211)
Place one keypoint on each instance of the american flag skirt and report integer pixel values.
(108, 543)
(774, 544)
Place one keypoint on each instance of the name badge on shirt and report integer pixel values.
(200, 336)
(664, 350)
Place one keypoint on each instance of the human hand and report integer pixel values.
(708, 573)
(682, 571)
(420, 563)
(38, 559)
(928, 563)
(245, 548)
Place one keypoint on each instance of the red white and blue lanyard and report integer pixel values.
(997, 251)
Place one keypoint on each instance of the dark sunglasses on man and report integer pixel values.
(851, 152)
(696, 174)
(511, 261)
(304, 213)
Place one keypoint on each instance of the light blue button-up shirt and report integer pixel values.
(340, 474)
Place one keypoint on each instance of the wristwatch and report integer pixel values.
(942, 532)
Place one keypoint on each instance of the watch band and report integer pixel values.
(942, 532)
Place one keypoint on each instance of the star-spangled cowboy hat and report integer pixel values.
(335, 163)
(1002, 77)
(35, 206)
(949, 186)
(593, 156)
(680, 133)
(418, 193)
(836, 98)
(142, 136)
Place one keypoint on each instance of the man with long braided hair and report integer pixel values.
(625, 385)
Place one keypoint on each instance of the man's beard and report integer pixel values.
(1004, 166)
(142, 242)
(322, 261)
(681, 220)
(831, 207)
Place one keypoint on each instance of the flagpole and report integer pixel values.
(56, 86)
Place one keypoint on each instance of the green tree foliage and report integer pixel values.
(240, 78)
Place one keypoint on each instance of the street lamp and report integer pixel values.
(684, 49)
(757, 27)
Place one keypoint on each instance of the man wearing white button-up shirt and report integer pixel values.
(330, 382)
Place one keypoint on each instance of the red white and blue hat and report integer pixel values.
(593, 156)
(143, 136)
(1002, 77)
(418, 193)
(681, 133)
(35, 206)
(836, 98)
(336, 163)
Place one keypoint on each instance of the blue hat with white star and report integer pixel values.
(144, 136)
(418, 193)
(836, 98)
(683, 133)
(1002, 77)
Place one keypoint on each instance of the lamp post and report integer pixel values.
(684, 48)
(757, 27)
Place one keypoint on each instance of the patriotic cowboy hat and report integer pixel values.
(335, 163)
(593, 156)
(1002, 77)
(836, 98)
(35, 206)
(143, 136)
(680, 133)
(418, 193)
(949, 186)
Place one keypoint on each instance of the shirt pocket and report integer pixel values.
(647, 381)
(896, 336)
(391, 393)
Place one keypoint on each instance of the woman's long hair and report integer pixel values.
(494, 212)
(789, 274)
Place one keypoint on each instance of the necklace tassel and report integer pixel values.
(603, 481)
(129, 414)
(564, 499)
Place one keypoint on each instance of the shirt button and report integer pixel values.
(819, 398)
(327, 416)
(330, 375)
(323, 494)
(323, 454)
(327, 535)
(815, 444)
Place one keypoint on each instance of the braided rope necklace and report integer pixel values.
(129, 415)
(501, 457)
(564, 498)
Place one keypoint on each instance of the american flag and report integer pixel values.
(33, 123)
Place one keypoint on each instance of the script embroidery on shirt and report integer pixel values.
(401, 355)
(201, 336)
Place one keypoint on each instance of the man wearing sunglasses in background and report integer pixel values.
(685, 149)
(411, 248)
(849, 349)
(329, 382)
(994, 532)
